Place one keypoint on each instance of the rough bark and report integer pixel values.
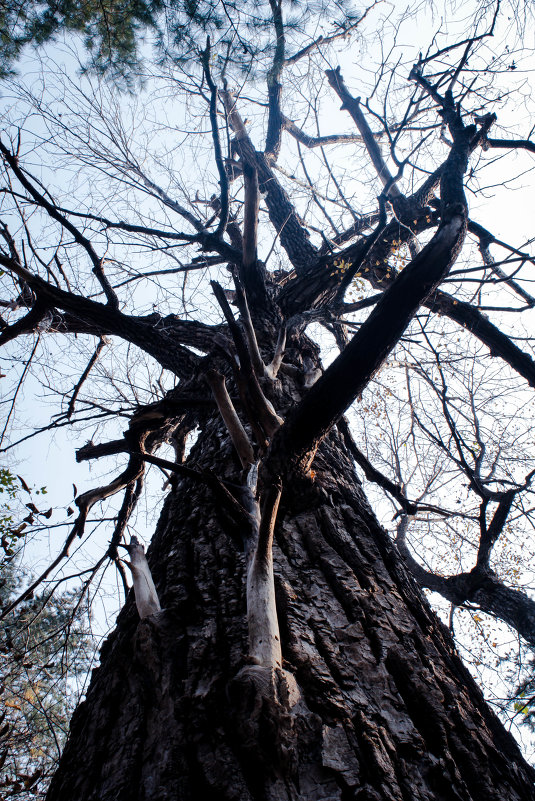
(373, 703)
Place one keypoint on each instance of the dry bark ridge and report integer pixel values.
(295, 657)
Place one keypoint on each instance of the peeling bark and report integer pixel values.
(147, 602)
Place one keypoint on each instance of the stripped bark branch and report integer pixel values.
(238, 435)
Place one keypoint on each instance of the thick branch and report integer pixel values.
(282, 214)
(241, 300)
(485, 240)
(27, 324)
(324, 280)
(318, 141)
(238, 435)
(259, 409)
(524, 144)
(490, 534)
(480, 326)
(273, 137)
(252, 273)
(147, 335)
(462, 312)
(263, 626)
(348, 375)
(250, 215)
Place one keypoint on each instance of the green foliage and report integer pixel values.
(114, 31)
(110, 28)
(10, 533)
(14, 526)
(39, 643)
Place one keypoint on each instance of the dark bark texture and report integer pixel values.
(373, 704)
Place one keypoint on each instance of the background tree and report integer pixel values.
(284, 651)
(44, 651)
(114, 32)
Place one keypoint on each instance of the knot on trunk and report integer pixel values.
(262, 705)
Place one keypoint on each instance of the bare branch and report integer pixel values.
(325, 40)
(372, 474)
(250, 215)
(259, 409)
(352, 104)
(52, 210)
(512, 144)
(241, 300)
(274, 128)
(145, 334)
(282, 214)
(489, 535)
(318, 141)
(84, 502)
(223, 177)
(27, 324)
(273, 368)
(347, 376)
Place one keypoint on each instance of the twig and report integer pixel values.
(92, 361)
(55, 214)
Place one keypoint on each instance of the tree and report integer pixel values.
(284, 650)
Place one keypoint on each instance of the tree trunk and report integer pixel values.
(373, 703)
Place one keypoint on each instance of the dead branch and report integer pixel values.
(243, 306)
(273, 368)
(147, 601)
(257, 406)
(232, 422)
